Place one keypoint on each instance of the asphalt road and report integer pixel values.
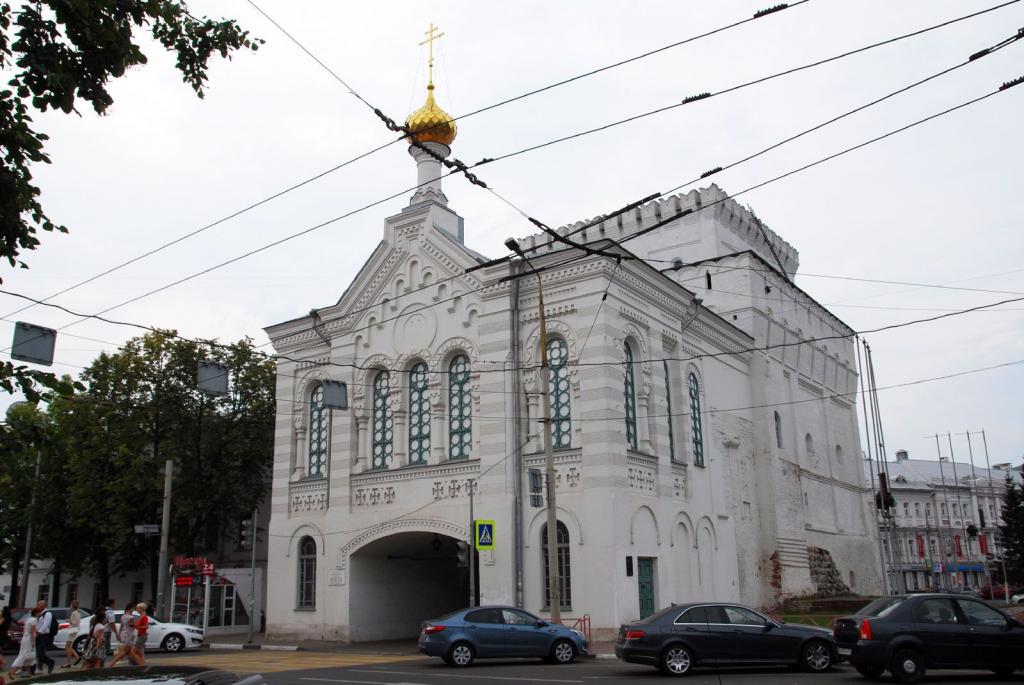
(597, 672)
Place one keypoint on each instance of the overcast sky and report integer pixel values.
(940, 204)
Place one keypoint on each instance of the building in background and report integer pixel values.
(944, 532)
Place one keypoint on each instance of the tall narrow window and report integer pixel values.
(319, 434)
(460, 417)
(558, 391)
(383, 423)
(419, 415)
(778, 430)
(695, 420)
(630, 392)
(564, 568)
(671, 419)
(307, 574)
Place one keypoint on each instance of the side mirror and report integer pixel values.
(769, 625)
(542, 624)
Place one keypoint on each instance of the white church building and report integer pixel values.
(704, 449)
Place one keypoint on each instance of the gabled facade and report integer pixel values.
(691, 464)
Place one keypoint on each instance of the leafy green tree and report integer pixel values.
(142, 406)
(1012, 531)
(63, 53)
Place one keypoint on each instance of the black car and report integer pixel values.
(846, 630)
(680, 638)
(938, 631)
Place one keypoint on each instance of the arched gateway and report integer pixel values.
(397, 581)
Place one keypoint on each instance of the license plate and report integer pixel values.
(843, 651)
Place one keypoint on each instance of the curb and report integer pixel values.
(607, 657)
(269, 648)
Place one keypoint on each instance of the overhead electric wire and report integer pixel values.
(361, 156)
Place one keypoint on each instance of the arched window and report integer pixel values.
(419, 415)
(839, 454)
(460, 417)
(695, 420)
(383, 423)
(778, 430)
(809, 445)
(307, 573)
(671, 419)
(558, 391)
(319, 434)
(630, 392)
(564, 568)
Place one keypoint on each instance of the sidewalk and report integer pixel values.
(387, 647)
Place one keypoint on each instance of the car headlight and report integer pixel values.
(580, 634)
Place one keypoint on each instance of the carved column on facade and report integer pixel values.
(643, 419)
(438, 417)
(400, 445)
(533, 412)
(362, 441)
(299, 467)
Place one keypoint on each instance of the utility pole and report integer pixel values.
(554, 592)
(1002, 557)
(981, 514)
(27, 563)
(252, 575)
(471, 552)
(161, 608)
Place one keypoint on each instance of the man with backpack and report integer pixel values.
(46, 629)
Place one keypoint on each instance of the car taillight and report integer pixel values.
(62, 626)
(429, 630)
(865, 630)
(634, 634)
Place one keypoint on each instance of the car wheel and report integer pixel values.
(816, 656)
(907, 666)
(173, 643)
(676, 660)
(79, 645)
(870, 671)
(562, 652)
(461, 655)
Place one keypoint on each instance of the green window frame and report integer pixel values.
(695, 420)
(319, 435)
(559, 393)
(630, 393)
(419, 415)
(671, 418)
(383, 422)
(460, 409)
(564, 566)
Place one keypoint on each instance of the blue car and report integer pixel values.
(495, 631)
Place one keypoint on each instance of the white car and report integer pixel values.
(170, 637)
(1017, 599)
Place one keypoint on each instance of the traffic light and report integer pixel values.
(462, 553)
(246, 536)
(972, 531)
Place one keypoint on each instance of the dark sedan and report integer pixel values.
(487, 632)
(680, 638)
(938, 631)
(846, 630)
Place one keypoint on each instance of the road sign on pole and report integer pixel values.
(148, 529)
(483, 534)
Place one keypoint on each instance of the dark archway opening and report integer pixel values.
(400, 581)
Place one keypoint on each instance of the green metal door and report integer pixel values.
(645, 581)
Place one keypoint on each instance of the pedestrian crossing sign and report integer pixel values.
(483, 534)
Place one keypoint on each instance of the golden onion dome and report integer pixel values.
(430, 123)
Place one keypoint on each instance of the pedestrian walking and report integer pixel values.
(26, 658)
(74, 623)
(46, 626)
(110, 622)
(140, 622)
(93, 657)
(126, 637)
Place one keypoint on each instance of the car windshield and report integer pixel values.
(880, 607)
(656, 616)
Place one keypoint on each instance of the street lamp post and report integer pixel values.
(554, 591)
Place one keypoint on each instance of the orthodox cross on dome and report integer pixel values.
(431, 37)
